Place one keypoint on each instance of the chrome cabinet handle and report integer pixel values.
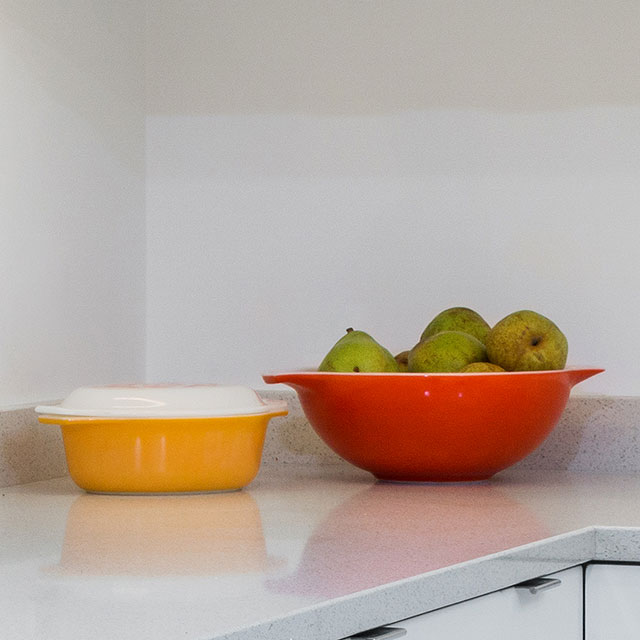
(539, 584)
(379, 633)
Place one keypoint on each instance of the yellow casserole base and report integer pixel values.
(162, 455)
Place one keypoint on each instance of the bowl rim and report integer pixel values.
(394, 374)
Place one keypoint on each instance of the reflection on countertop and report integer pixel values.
(164, 535)
(317, 552)
(387, 532)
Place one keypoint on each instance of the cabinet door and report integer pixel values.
(612, 594)
(509, 614)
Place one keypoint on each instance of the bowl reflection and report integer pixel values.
(390, 532)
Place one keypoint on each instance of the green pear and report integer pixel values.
(458, 319)
(447, 351)
(402, 359)
(527, 341)
(481, 367)
(358, 351)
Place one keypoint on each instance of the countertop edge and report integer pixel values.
(420, 594)
(617, 544)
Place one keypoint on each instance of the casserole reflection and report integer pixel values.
(164, 535)
(389, 532)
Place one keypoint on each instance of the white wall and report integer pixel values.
(310, 166)
(318, 165)
(72, 246)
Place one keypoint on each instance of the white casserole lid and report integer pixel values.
(163, 401)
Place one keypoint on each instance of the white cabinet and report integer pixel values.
(509, 614)
(612, 595)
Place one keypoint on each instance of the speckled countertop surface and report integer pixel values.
(304, 552)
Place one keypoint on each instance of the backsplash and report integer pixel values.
(599, 434)
(29, 451)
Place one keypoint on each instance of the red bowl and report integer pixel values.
(433, 427)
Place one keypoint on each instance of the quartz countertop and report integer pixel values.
(314, 553)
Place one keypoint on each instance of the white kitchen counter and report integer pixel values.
(309, 553)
